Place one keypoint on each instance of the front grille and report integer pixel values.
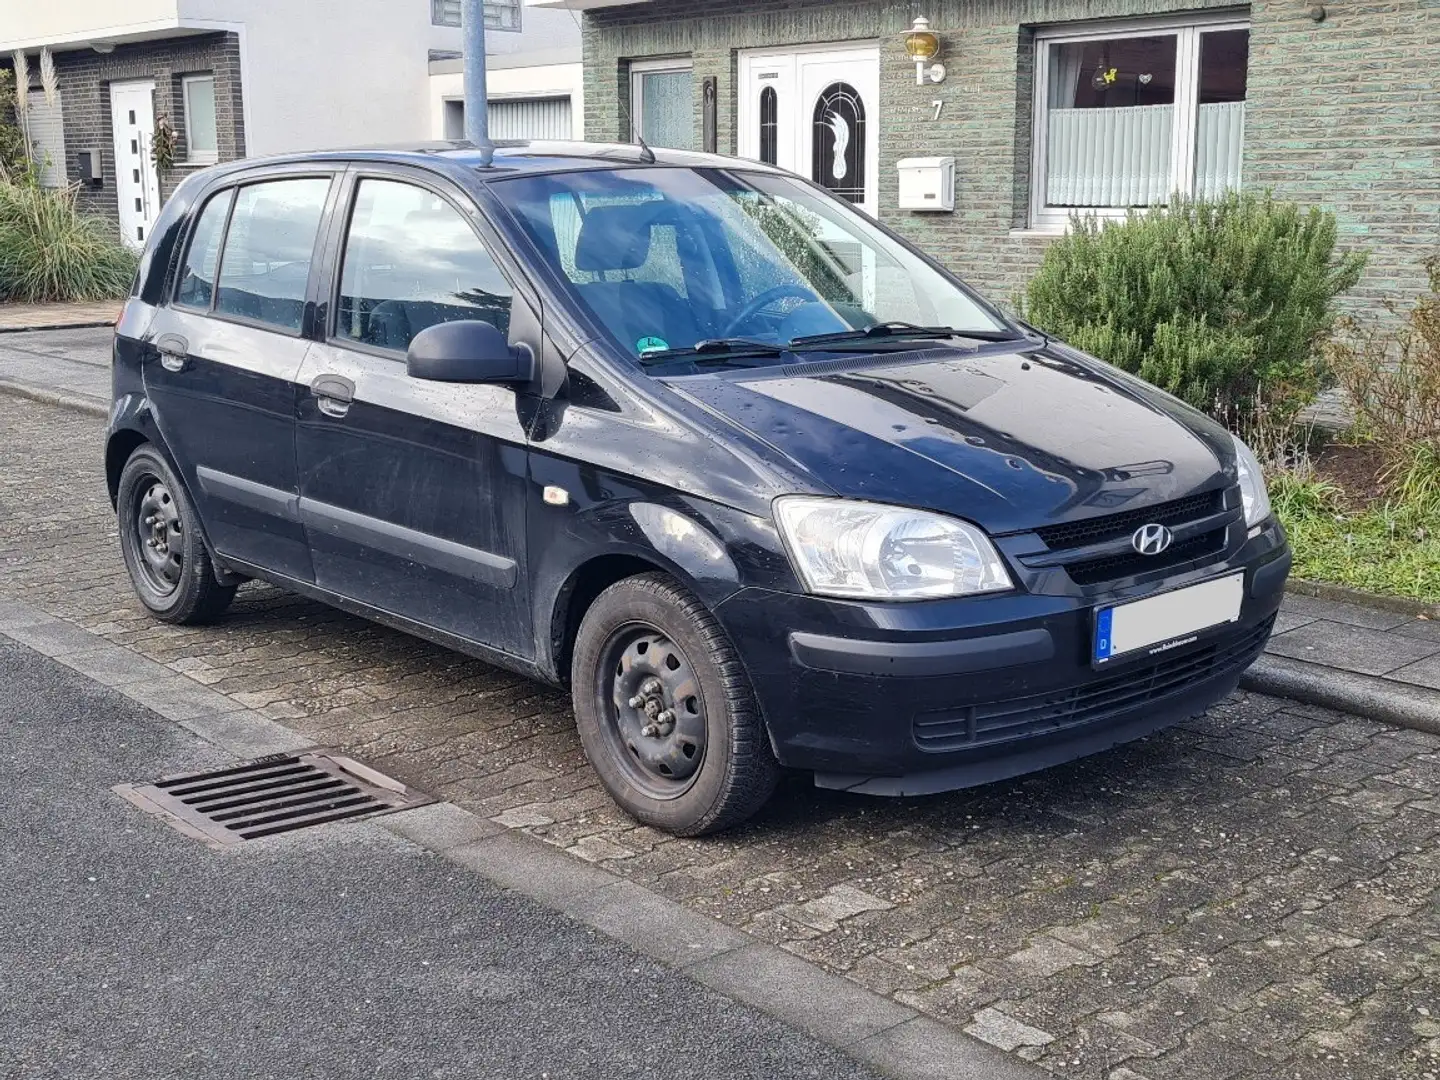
(1111, 567)
(1073, 534)
(1090, 703)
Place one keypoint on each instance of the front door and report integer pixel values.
(413, 494)
(815, 112)
(132, 119)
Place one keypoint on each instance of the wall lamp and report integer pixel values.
(923, 46)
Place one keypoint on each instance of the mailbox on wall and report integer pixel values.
(927, 183)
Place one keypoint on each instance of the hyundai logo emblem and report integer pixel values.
(1151, 539)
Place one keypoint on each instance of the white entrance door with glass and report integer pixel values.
(815, 112)
(1127, 115)
(132, 119)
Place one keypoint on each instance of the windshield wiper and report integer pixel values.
(717, 349)
(900, 330)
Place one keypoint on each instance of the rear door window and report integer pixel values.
(413, 261)
(197, 276)
(265, 265)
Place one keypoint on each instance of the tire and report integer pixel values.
(161, 541)
(649, 628)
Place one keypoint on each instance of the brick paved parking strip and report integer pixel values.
(1255, 893)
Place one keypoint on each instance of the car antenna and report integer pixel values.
(647, 156)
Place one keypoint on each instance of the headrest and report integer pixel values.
(616, 237)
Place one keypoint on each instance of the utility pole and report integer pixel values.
(477, 117)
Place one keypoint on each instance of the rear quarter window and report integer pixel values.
(196, 288)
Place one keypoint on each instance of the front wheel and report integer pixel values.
(666, 712)
(161, 542)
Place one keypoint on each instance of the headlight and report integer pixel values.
(858, 549)
(1252, 485)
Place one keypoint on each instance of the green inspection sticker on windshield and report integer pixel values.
(651, 344)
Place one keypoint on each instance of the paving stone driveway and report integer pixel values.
(1255, 894)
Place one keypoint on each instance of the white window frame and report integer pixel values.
(193, 156)
(640, 68)
(1187, 30)
(439, 9)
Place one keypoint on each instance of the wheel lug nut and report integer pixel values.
(666, 717)
(637, 701)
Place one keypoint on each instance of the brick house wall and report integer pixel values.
(85, 77)
(1344, 113)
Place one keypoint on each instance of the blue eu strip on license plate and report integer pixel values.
(1103, 641)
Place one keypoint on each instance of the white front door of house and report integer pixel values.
(816, 113)
(132, 118)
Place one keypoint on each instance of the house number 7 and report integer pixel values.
(938, 106)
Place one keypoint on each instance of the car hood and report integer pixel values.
(1009, 440)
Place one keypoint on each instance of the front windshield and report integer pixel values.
(670, 258)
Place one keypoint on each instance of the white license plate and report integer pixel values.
(1168, 621)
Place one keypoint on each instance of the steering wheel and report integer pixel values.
(764, 300)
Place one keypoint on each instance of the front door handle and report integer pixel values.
(174, 352)
(333, 394)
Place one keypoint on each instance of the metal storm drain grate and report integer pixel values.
(275, 794)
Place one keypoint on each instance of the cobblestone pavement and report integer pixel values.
(1254, 894)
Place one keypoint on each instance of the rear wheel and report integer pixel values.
(666, 712)
(161, 542)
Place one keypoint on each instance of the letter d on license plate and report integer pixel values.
(1168, 620)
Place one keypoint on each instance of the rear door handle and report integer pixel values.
(333, 394)
(174, 352)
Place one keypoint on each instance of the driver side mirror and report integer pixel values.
(468, 351)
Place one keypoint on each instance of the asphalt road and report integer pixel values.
(130, 951)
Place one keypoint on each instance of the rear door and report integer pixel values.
(413, 493)
(226, 353)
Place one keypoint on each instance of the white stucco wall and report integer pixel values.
(326, 73)
(538, 80)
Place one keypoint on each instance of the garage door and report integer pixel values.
(531, 118)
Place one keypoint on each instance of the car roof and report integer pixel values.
(511, 157)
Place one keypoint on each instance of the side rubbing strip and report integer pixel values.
(249, 494)
(483, 567)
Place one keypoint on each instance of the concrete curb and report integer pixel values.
(79, 402)
(1365, 695)
(93, 324)
(893, 1038)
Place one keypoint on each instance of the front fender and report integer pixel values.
(713, 551)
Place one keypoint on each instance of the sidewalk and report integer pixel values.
(68, 366)
(23, 317)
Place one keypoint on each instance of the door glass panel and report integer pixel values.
(1220, 123)
(769, 126)
(667, 109)
(412, 261)
(197, 279)
(838, 145)
(266, 265)
(1108, 122)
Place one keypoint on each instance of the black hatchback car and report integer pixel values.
(763, 484)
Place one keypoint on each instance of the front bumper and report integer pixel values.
(912, 698)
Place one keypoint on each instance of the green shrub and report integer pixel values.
(1221, 303)
(50, 250)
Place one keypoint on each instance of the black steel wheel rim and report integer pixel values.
(157, 536)
(653, 710)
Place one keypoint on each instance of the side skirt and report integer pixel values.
(500, 659)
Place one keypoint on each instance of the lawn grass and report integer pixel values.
(1382, 549)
